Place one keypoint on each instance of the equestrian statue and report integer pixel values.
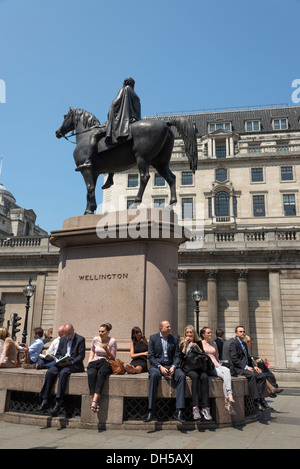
(126, 141)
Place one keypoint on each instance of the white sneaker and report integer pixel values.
(205, 412)
(196, 413)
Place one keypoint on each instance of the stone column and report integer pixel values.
(212, 299)
(244, 320)
(182, 301)
(277, 319)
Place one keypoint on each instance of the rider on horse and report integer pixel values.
(124, 110)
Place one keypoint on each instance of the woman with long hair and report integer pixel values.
(138, 352)
(103, 348)
(8, 350)
(189, 341)
(211, 349)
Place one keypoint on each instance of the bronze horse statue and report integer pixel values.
(151, 143)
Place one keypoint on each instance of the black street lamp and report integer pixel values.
(197, 297)
(28, 292)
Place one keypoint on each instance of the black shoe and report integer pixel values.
(44, 405)
(179, 416)
(265, 404)
(259, 406)
(150, 416)
(55, 411)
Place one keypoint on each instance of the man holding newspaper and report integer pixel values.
(69, 359)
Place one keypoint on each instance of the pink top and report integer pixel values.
(212, 351)
(100, 352)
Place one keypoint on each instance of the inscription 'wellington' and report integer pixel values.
(103, 277)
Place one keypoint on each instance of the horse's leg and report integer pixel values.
(143, 168)
(164, 171)
(90, 182)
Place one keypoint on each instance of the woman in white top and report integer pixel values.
(211, 349)
(103, 348)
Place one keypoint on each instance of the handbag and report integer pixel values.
(117, 366)
(196, 360)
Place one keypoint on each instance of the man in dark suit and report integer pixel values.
(241, 364)
(72, 345)
(164, 359)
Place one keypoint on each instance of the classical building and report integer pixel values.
(25, 252)
(243, 206)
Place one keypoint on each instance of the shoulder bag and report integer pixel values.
(196, 360)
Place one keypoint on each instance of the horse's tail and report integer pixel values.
(188, 133)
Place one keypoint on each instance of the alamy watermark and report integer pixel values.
(296, 92)
(2, 91)
(141, 222)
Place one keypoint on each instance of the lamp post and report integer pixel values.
(197, 297)
(28, 292)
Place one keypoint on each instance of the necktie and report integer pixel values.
(244, 349)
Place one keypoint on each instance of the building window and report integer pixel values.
(159, 203)
(133, 180)
(280, 124)
(187, 208)
(289, 205)
(259, 206)
(287, 173)
(209, 208)
(186, 178)
(159, 180)
(219, 126)
(221, 151)
(253, 126)
(257, 175)
(254, 147)
(221, 175)
(222, 204)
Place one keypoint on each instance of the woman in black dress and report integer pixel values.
(138, 352)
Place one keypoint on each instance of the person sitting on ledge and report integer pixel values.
(103, 347)
(211, 349)
(164, 358)
(48, 335)
(242, 364)
(8, 350)
(71, 345)
(138, 352)
(272, 386)
(189, 341)
(35, 349)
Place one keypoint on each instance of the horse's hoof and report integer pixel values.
(172, 202)
(107, 185)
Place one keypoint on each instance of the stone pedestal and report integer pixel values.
(119, 268)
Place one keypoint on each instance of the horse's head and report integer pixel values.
(67, 125)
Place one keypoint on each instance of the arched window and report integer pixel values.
(222, 204)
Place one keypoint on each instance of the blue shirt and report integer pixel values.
(35, 349)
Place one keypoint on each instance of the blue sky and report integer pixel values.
(184, 56)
